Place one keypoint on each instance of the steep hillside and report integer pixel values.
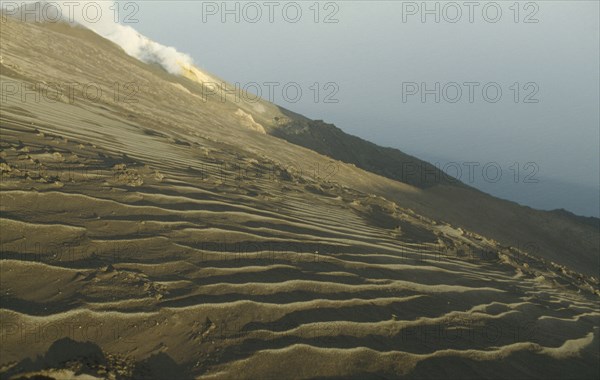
(149, 231)
(391, 163)
(558, 236)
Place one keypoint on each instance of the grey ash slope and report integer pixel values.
(331, 141)
(559, 236)
(172, 236)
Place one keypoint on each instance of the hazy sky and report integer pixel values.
(378, 50)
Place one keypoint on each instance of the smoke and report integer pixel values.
(99, 16)
(144, 49)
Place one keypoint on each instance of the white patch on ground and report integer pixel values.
(259, 108)
(248, 121)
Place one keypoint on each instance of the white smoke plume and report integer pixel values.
(99, 16)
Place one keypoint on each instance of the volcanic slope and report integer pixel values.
(150, 233)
